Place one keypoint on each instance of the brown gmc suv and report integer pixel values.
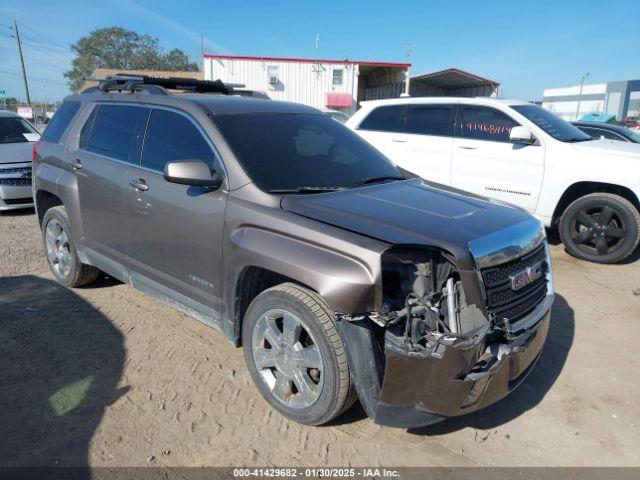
(340, 276)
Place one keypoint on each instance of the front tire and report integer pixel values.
(296, 356)
(61, 251)
(600, 227)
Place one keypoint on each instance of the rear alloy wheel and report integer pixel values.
(296, 356)
(61, 252)
(600, 227)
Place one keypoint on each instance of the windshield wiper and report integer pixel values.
(304, 190)
(368, 180)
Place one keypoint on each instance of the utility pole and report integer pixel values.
(202, 50)
(24, 74)
(584, 77)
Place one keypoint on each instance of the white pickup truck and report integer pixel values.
(520, 153)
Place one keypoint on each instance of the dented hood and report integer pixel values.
(412, 212)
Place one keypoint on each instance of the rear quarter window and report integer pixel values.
(60, 121)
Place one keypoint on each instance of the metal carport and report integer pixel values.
(452, 82)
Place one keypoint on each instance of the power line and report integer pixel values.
(34, 31)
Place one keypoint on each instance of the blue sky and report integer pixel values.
(526, 46)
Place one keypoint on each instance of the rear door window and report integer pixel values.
(483, 123)
(429, 120)
(384, 119)
(170, 137)
(61, 119)
(117, 132)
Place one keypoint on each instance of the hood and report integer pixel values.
(608, 147)
(413, 212)
(16, 152)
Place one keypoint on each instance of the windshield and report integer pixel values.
(16, 130)
(293, 151)
(552, 124)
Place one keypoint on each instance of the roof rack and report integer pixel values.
(159, 85)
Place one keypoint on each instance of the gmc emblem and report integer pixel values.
(528, 275)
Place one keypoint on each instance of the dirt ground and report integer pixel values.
(106, 376)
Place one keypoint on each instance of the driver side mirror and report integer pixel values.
(192, 172)
(522, 134)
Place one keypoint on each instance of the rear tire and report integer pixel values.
(600, 227)
(61, 251)
(296, 356)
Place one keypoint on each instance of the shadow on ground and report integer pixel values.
(20, 212)
(534, 388)
(61, 363)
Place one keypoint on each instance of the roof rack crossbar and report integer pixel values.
(133, 83)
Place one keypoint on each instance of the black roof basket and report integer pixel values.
(159, 85)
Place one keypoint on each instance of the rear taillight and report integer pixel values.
(36, 146)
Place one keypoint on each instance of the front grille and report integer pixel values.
(15, 182)
(18, 170)
(15, 177)
(502, 300)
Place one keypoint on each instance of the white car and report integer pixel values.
(520, 153)
(17, 137)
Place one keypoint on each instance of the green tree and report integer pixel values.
(117, 48)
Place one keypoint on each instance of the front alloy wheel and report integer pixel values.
(288, 359)
(600, 227)
(296, 356)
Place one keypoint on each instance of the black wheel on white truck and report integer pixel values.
(600, 227)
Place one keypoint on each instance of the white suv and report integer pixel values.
(520, 153)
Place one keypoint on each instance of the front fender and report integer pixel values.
(348, 284)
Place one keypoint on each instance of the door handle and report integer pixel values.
(139, 184)
(398, 140)
(466, 147)
(77, 164)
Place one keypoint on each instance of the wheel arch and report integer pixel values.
(251, 282)
(580, 189)
(44, 201)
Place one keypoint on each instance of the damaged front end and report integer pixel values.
(443, 344)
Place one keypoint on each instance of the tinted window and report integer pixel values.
(601, 133)
(287, 151)
(16, 130)
(552, 124)
(58, 124)
(482, 123)
(88, 126)
(117, 132)
(171, 136)
(384, 119)
(429, 120)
